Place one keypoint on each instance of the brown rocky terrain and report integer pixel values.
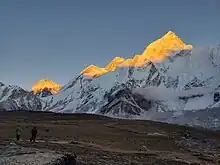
(101, 140)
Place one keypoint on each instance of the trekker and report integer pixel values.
(18, 133)
(33, 134)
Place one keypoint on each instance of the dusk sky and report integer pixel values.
(56, 39)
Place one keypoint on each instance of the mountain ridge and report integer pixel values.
(156, 51)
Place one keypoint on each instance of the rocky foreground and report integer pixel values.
(94, 140)
(13, 154)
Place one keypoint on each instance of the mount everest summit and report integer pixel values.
(166, 82)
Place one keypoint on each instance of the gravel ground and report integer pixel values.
(16, 155)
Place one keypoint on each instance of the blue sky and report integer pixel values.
(56, 39)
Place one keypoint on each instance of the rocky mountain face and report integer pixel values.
(16, 98)
(125, 104)
(44, 92)
(88, 94)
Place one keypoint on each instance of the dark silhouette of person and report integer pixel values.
(18, 133)
(33, 134)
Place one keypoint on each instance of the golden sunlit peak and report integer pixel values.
(93, 71)
(45, 83)
(114, 63)
(156, 51)
(170, 33)
(161, 48)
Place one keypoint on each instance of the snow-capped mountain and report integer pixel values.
(87, 94)
(14, 98)
(188, 75)
(45, 87)
(112, 93)
(168, 80)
